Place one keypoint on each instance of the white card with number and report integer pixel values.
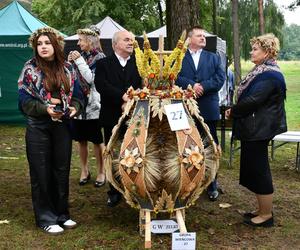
(176, 116)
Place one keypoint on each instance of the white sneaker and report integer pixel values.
(70, 224)
(53, 229)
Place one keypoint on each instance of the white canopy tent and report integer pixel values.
(156, 33)
(107, 28)
(220, 44)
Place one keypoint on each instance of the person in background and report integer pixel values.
(203, 70)
(114, 75)
(259, 115)
(231, 86)
(49, 96)
(87, 126)
(227, 91)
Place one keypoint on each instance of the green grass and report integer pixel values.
(103, 228)
(292, 72)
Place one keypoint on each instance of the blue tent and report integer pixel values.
(16, 25)
(14, 19)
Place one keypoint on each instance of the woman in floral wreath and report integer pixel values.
(49, 95)
(86, 127)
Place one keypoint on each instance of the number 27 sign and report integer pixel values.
(176, 116)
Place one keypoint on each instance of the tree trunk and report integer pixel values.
(181, 15)
(261, 16)
(236, 41)
(214, 16)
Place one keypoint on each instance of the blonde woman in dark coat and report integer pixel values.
(259, 115)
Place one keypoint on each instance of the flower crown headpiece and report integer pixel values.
(92, 31)
(44, 31)
(155, 74)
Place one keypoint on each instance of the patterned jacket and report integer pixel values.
(86, 66)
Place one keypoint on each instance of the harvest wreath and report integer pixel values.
(156, 169)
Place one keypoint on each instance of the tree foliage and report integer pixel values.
(69, 15)
(25, 3)
(138, 15)
(249, 23)
(206, 15)
(294, 4)
(291, 43)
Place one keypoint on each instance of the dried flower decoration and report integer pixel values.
(44, 31)
(159, 75)
(193, 158)
(92, 31)
(131, 160)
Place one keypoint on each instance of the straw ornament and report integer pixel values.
(153, 167)
(155, 75)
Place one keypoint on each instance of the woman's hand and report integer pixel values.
(75, 55)
(54, 114)
(73, 111)
(70, 59)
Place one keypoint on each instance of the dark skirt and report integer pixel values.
(87, 130)
(255, 171)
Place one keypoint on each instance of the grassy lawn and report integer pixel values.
(103, 228)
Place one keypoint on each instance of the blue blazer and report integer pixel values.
(210, 75)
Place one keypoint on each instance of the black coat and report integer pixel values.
(259, 113)
(112, 81)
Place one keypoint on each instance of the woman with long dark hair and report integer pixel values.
(49, 95)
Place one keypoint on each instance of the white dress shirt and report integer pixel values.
(196, 57)
(122, 61)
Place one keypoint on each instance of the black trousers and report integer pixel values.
(213, 130)
(48, 148)
(213, 186)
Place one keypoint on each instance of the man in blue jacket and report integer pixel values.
(203, 70)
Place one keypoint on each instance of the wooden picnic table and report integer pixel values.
(289, 136)
(284, 138)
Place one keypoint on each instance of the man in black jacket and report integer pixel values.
(114, 75)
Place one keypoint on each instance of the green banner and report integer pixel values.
(14, 52)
